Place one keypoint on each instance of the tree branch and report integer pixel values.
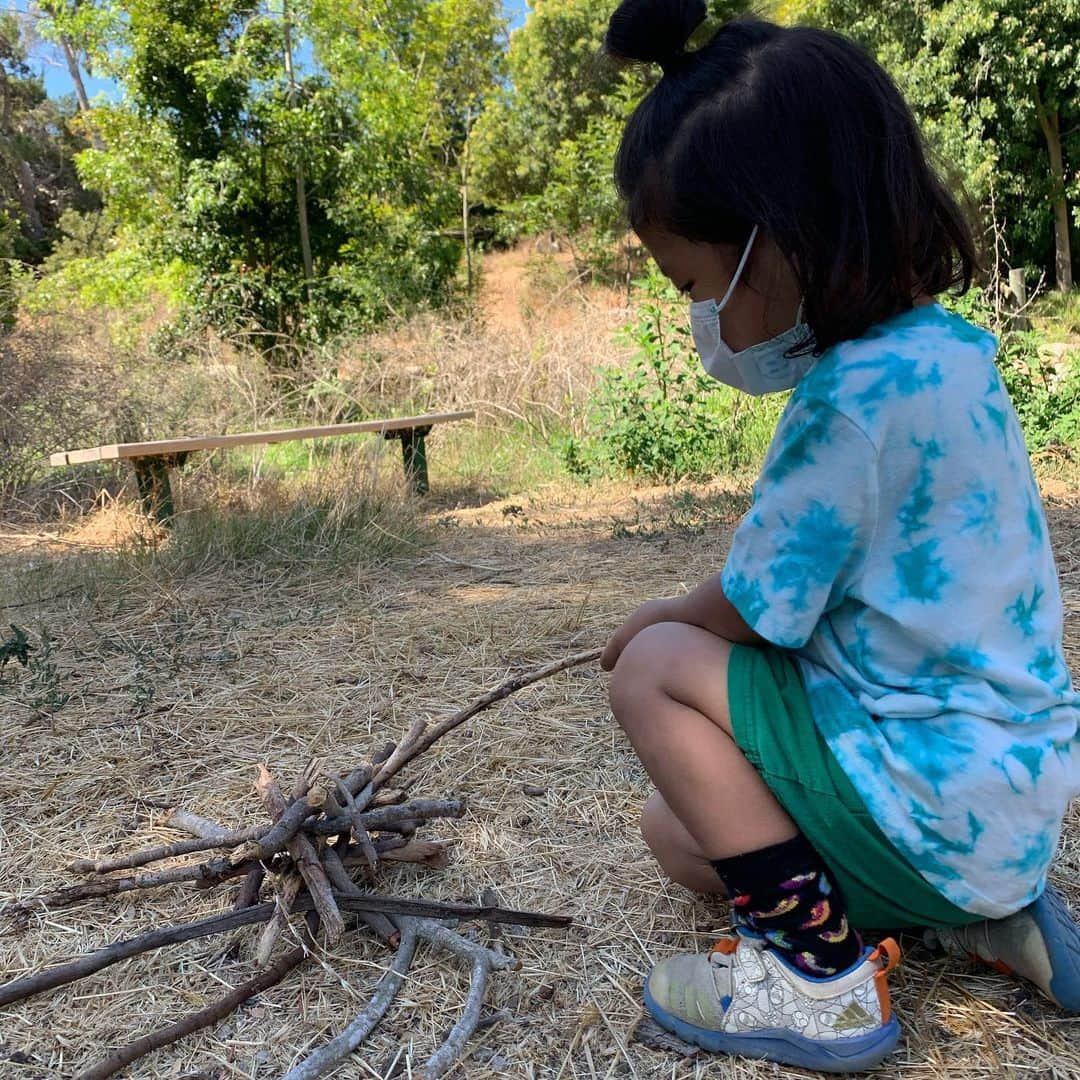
(123, 1057)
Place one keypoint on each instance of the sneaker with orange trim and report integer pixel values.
(1040, 943)
(744, 998)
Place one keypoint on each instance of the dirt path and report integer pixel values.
(177, 687)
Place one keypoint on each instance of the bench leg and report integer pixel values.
(414, 453)
(155, 490)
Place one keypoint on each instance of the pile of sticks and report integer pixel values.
(329, 825)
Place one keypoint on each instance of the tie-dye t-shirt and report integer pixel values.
(897, 544)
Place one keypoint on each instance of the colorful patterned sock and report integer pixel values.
(784, 893)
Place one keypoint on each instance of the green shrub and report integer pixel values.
(663, 419)
(1045, 392)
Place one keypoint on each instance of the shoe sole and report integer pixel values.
(786, 1047)
(1061, 936)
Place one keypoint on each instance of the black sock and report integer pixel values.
(784, 893)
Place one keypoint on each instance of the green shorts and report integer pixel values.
(775, 729)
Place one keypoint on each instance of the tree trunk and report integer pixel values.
(76, 74)
(301, 213)
(465, 212)
(28, 187)
(1049, 121)
(5, 111)
(301, 185)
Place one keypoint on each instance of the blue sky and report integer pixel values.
(58, 82)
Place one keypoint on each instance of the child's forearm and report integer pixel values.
(708, 607)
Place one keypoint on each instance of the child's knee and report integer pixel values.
(639, 670)
(653, 820)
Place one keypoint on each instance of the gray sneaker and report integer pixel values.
(1040, 943)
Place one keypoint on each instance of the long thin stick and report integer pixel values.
(214, 1012)
(381, 818)
(166, 851)
(211, 872)
(432, 734)
(63, 974)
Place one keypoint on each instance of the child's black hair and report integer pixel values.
(798, 131)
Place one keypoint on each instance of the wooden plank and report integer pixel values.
(116, 451)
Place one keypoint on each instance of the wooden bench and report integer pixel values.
(153, 460)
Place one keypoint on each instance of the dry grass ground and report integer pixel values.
(177, 684)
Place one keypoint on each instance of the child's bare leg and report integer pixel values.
(675, 849)
(669, 691)
(669, 694)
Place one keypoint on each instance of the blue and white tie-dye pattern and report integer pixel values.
(897, 543)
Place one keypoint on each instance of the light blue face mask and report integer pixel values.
(760, 369)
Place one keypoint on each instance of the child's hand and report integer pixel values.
(669, 609)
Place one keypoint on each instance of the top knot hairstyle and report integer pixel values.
(798, 131)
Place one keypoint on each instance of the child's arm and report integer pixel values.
(706, 606)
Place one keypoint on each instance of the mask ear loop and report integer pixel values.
(738, 269)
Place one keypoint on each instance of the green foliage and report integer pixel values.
(1047, 398)
(1045, 392)
(37, 174)
(113, 280)
(663, 419)
(558, 80)
(994, 83)
(306, 201)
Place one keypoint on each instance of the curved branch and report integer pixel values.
(342, 1045)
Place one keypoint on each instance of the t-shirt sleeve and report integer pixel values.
(810, 527)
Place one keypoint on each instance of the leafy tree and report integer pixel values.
(546, 143)
(37, 175)
(304, 158)
(558, 81)
(997, 86)
(417, 73)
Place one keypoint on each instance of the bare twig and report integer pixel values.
(498, 693)
(63, 974)
(123, 1057)
(212, 872)
(483, 961)
(165, 851)
(421, 736)
(287, 893)
(196, 824)
(304, 857)
(392, 817)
